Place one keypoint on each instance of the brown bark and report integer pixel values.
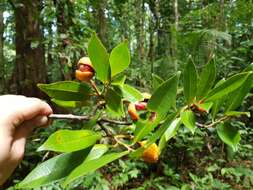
(2, 79)
(30, 68)
(99, 7)
(64, 21)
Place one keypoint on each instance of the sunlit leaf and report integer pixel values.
(99, 58)
(70, 140)
(119, 58)
(169, 133)
(228, 86)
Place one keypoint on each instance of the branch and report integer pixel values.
(212, 124)
(86, 118)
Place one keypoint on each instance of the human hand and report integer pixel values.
(19, 115)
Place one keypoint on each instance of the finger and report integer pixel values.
(22, 132)
(32, 108)
(27, 127)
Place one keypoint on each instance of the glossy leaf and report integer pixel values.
(164, 96)
(228, 86)
(53, 169)
(96, 152)
(70, 140)
(237, 113)
(66, 90)
(119, 58)
(92, 165)
(142, 130)
(237, 97)
(188, 119)
(114, 102)
(190, 78)
(217, 104)
(169, 133)
(207, 79)
(156, 81)
(67, 104)
(119, 80)
(131, 94)
(99, 58)
(229, 135)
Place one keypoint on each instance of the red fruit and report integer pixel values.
(85, 70)
(141, 106)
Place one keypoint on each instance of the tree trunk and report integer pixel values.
(174, 35)
(2, 78)
(30, 68)
(99, 7)
(64, 21)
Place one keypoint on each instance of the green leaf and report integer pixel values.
(143, 129)
(114, 102)
(228, 86)
(217, 103)
(169, 133)
(119, 58)
(237, 97)
(66, 90)
(119, 80)
(92, 165)
(229, 135)
(207, 79)
(156, 81)
(131, 94)
(164, 96)
(96, 152)
(188, 119)
(99, 58)
(70, 140)
(190, 78)
(53, 169)
(67, 104)
(156, 135)
(237, 113)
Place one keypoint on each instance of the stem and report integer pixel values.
(213, 124)
(86, 118)
(116, 138)
(93, 84)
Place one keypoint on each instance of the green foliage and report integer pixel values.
(190, 81)
(66, 90)
(229, 135)
(156, 120)
(70, 140)
(119, 58)
(99, 58)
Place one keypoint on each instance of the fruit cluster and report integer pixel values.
(85, 72)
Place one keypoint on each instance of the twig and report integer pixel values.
(86, 118)
(116, 138)
(212, 124)
(95, 87)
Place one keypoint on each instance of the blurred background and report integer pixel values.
(41, 41)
